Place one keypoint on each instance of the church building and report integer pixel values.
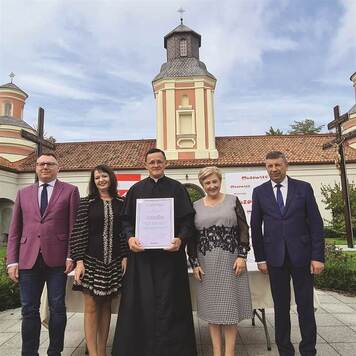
(185, 130)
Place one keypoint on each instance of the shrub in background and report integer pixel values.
(9, 291)
(340, 271)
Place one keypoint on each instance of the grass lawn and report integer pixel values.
(334, 241)
(2, 252)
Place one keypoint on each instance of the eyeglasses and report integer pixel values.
(157, 162)
(48, 164)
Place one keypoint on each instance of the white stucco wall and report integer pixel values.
(316, 175)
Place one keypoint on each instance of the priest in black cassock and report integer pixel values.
(155, 315)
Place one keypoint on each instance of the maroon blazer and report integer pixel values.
(30, 232)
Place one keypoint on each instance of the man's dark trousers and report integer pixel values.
(31, 286)
(303, 291)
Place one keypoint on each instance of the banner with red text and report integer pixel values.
(242, 184)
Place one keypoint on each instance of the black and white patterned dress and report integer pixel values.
(96, 239)
(222, 297)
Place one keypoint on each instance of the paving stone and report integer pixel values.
(4, 337)
(250, 336)
(329, 299)
(346, 299)
(333, 334)
(6, 351)
(338, 308)
(296, 337)
(73, 338)
(347, 319)
(326, 350)
(345, 349)
(261, 350)
(5, 324)
(326, 320)
(11, 314)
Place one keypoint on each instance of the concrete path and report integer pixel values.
(336, 321)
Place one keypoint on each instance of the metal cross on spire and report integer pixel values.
(181, 11)
(12, 75)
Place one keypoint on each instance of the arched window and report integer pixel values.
(183, 47)
(7, 109)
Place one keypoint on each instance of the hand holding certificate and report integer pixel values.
(155, 222)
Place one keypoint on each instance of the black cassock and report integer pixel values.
(155, 315)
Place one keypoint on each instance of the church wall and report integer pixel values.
(8, 185)
(316, 175)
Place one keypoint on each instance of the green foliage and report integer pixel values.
(194, 193)
(303, 127)
(9, 291)
(340, 271)
(274, 132)
(333, 200)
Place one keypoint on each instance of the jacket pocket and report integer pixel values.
(23, 239)
(62, 237)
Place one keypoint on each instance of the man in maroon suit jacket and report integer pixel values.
(38, 250)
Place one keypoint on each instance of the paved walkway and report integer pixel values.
(336, 321)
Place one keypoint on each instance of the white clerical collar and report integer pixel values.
(51, 183)
(156, 179)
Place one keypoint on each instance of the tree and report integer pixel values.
(303, 127)
(274, 132)
(333, 200)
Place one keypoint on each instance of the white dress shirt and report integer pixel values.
(50, 187)
(284, 189)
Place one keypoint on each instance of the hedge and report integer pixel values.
(9, 291)
(340, 271)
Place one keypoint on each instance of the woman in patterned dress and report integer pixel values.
(100, 255)
(218, 257)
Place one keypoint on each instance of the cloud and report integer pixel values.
(90, 63)
(343, 44)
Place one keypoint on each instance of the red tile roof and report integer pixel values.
(234, 151)
(7, 165)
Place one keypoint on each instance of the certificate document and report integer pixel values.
(155, 222)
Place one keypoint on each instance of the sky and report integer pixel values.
(90, 63)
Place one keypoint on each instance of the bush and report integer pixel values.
(334, 201)
(340, 271)
(9, 291)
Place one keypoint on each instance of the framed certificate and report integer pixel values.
(155, 222)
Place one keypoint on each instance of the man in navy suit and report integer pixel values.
(290, 245)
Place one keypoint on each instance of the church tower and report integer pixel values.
(13, 146)
(350, 125)
(184, 93)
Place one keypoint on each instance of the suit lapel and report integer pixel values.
(271, 197)
(57, 189)
(34, 199)
(290, 195)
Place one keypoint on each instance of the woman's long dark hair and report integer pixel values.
(93, 190)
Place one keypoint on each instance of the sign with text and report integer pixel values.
(155, 222)
(242, 184)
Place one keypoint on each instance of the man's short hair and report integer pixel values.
(52, 154)
(154, 150)
(276, 155)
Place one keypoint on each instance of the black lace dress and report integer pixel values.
(96, 239)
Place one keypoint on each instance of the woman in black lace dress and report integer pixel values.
(100, 255)
(218, 257)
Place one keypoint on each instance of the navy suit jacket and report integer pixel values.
(299, 229)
